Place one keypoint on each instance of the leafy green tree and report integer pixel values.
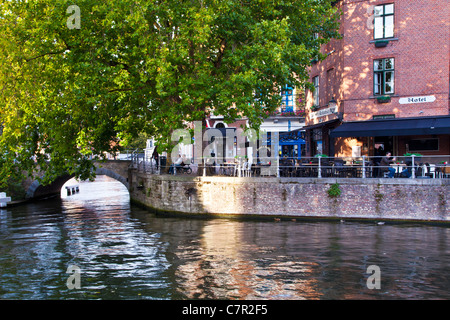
(77, 83)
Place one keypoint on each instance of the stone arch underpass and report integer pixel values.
(116, 169)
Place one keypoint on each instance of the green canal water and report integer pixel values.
(125, 252)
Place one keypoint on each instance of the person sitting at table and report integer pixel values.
(385, 162)
(407, 171)
(177, 164)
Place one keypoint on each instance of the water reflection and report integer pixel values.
(226, 266)
(227, 259)
(126, 252)
(108, 245)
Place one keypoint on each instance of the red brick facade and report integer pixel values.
(421, 53)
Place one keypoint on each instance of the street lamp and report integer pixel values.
(332, 103)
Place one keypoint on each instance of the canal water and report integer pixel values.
(125, 252)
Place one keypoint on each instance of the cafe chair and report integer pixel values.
(248, 169)
(431, 170)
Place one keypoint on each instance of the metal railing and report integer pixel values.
(415, 167)
(411, 166)
(140, 162)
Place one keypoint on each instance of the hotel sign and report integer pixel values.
(323, 113)
(424, 99)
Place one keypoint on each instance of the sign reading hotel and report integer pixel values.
(424, 99)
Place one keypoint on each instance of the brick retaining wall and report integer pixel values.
(399, 199)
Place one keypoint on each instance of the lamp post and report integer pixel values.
(332, 103)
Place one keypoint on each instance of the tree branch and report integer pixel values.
(223, 45)
(46, 54)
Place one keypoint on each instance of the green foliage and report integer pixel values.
(143, 66)
(334, 191)
(14, 190)
(140, 142)
(412, 154)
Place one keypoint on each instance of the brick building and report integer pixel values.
(385, 82)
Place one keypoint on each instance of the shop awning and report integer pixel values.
(394, 127)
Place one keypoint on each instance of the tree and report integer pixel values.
(75, 83)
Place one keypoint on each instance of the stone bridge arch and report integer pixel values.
(116, 169)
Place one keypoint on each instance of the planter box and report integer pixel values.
(381, 43)
(384, 99)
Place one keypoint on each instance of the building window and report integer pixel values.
(316, 91)
(423, 145)
(383, 21)
(383, 76)
(287, 94)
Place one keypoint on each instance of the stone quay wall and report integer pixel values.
(375, 199)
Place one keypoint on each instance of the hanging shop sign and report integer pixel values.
(323, 112)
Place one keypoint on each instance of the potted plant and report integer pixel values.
(384, 99)
(317, 156)
(314, 108)
(300, 113)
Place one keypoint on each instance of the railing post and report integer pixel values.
(239, 167)
(278, 165)
(412, 168)
(364, 167)
(204, 167)
(319, 171)
(159, 164)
